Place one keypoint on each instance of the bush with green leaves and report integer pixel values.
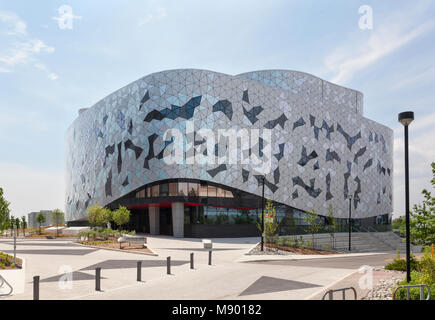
(40, 219)
(399, 264)
(121, 216)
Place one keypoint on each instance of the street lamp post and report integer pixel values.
(406, 118)
(262, 217)
(350, 221)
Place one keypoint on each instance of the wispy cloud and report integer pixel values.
(389, 36)
(13, 25)
(160, 14)
(20, 49)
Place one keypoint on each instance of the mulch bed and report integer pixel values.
(47, 236)
(9, 262)
(299, 250)
(114, 245)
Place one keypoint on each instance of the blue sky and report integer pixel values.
(48, 73)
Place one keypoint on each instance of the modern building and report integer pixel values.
(163, 146)
(31, 219)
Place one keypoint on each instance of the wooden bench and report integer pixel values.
(132, 239)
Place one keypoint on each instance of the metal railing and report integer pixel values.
(330, 293)
(2, 283)
(408, 287)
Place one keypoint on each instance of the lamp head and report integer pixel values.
(406, 117)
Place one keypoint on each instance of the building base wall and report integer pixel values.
(221, 231)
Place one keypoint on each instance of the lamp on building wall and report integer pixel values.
(350, 221)
(406, 118)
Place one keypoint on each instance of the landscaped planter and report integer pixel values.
(15, 277)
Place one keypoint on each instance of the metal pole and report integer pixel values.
(262, 219)
(15, 245)
(36, 288)
(408, 242)
(350, 223)
(191, 260)
(168, 265)
(139, 271)
(209, 258)
(97, 279)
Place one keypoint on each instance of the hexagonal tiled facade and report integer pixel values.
(322, 146)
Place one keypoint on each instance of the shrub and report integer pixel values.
(399, 264)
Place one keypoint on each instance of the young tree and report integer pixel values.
(270, 224)
(422, 222)
(40, 218)
(331, 224)
(11, 224)
(18, 224)
(121, 216)
(312, 219)
(23, 225)
(58, 217)
(4, 211)
(97, 215)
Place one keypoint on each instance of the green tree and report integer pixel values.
(18, 224)
(331, 224)
(98, 215)
(313, 223)
(58, 217)
(270, 224)
(23, 224)
(4, 211)
(422, 220)
(11, 224)
(40, 218)
(121, 216)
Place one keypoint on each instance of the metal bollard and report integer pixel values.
(36, 288)
(168, 265)
(139, 271)
(209, 258)
(97, 279)
(191, 260)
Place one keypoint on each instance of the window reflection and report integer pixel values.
(203, 190)
(193, 189)
(220, 192)
(182, 188)
(164, 190)
(155, 190)
(211, 191)
(173, 189)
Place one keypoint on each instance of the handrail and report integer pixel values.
(331, 292)
(407, 287)
(3, 281)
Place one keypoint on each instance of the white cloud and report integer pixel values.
(388, 37)
(421, 155)
(160, 14)
(20, 49)
(14, 25)
(29, 189)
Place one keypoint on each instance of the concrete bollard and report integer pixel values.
(139, 271)
(168, 265)
(191, 261)
(36, 288)
(209, 258)
(97, 279)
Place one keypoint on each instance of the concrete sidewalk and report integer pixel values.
(232, 275)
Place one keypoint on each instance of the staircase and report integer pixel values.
(361, 241)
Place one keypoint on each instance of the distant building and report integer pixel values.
(31, 219)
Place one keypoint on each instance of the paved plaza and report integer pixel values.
(232, 275)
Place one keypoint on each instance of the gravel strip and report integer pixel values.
(384, 289)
